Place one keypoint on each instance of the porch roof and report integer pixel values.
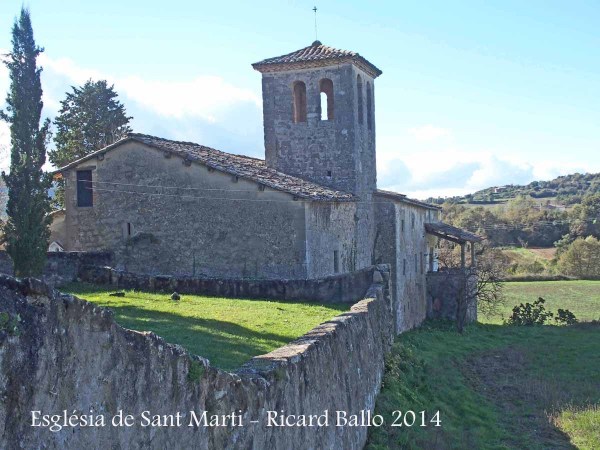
(450, 233)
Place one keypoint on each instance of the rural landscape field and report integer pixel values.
(501, 386)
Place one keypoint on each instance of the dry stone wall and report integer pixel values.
(343, 288)
(444, 288)
(59, 353)
(61, 267)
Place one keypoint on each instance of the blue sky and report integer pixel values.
(473, 94)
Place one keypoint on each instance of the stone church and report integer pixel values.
(310, 209)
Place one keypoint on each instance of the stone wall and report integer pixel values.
(343, 288)
(161, 216)
(61, 353)
(64, 267)
(61, 267)
(443, 290)
(401, 240)
(333, 230)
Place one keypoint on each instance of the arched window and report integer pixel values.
(326, 89)
(359, 91)
(299, 102)
(369, 106)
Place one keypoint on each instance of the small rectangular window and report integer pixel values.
(402, 226)
(128, 228)
(85, 194)
(329, 173)
(404, 267)
(336, 261)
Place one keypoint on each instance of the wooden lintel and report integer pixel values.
(448, 238)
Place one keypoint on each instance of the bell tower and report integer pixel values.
(319, 117)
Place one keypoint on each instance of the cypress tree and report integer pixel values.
(26, 231)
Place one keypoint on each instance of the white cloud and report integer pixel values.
(206, 97)
(414, 164)
(494, 171)
(429, 133)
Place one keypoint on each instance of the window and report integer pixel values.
(404, 267)
(299, 102)
(85, 193)
(402, 226)
(336, 261)
(359, 91)
(369, 107)
(329, 174)
(128, 228)
(326, 89)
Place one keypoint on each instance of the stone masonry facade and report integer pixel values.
(311, 209)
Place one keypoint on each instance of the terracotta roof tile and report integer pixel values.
(242, 166)
(315, 55)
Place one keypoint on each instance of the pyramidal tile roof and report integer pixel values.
(238, 165)
(315, 55)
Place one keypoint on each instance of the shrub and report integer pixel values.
(530, 314)
(196, 371)
(565, 317)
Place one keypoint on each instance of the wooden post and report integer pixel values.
(462, 255)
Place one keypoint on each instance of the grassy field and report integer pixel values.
(581, 297)
(226, 331)
(499, 386)
(530, 261)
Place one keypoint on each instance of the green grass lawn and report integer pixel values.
(581, 297)
(226, 331)
(499, 386)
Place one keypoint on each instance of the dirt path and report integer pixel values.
(525, 401)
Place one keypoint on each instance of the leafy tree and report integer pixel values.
(481, 287)
(586, 217)
(91, 117)
(582, 258)
(26, 231)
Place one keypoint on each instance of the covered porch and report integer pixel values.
(465, 239)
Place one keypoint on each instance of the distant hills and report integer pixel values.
(564, 190)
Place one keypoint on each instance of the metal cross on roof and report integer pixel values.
(315, 10)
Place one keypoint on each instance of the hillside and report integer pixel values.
(564, 190)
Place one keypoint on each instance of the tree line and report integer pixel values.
(91, 117)
(563, 190)
(523, 222)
